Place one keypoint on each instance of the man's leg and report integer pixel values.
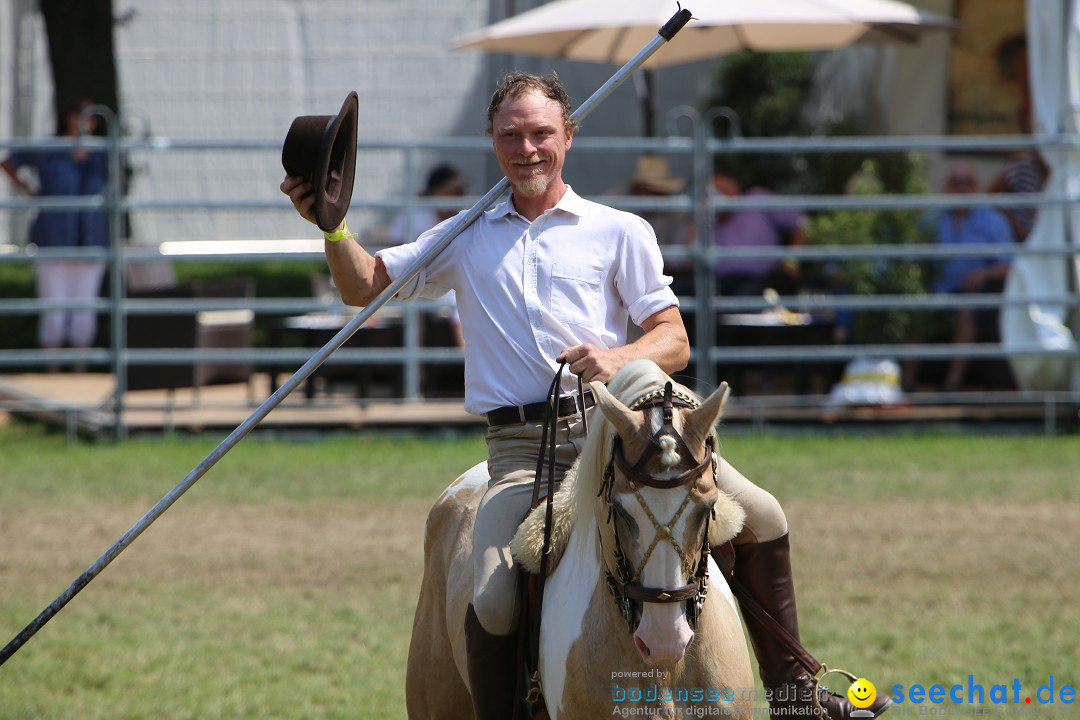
(84, 283)
(491, 642)
(51, 276)
(763, 567)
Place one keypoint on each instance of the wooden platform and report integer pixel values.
(83, 404)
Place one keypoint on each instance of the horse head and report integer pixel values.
(659, 509)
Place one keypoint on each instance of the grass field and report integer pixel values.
(283, 584)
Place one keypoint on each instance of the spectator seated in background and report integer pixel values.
(759, 229)
(970, 226)
(444, 180)
(447, 181)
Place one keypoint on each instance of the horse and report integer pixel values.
(636, 618)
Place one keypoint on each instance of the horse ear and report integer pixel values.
(704, 418)
(627, 422)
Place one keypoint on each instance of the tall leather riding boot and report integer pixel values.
(491, 661)
(764, 569)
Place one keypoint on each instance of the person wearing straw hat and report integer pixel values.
(652, 178)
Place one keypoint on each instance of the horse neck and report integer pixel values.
(580, 584)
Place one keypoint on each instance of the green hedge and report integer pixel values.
(17, 331)
(274, 279)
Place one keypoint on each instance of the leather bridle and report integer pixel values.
(624, 583)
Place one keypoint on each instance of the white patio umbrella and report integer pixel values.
(612, 30)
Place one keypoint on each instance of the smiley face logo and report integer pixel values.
(862, 693)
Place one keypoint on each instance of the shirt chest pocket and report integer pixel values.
(577, 295)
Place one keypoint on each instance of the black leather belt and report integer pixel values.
(537, 411)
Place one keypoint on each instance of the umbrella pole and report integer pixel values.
(644, 82)
(665, 33)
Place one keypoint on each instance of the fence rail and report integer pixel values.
(704, 310)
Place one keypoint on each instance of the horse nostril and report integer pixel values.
(642, 647)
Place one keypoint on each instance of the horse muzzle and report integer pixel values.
(663, 635)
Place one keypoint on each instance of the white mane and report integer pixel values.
(574, 499)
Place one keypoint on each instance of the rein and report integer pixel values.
(548, 442)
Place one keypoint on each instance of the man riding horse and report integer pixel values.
(547, 277)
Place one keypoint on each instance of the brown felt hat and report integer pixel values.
(322, 150)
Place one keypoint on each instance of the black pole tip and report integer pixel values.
(675, 24)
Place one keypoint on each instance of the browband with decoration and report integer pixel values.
(649, 398)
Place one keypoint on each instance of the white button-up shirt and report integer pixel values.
(527, 291)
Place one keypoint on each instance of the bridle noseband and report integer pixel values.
(624, 585)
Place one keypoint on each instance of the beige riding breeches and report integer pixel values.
(512, 453)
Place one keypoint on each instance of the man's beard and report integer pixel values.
(532, 187)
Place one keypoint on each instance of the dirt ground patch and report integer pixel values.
(293, 545)
(904, 591)
(974, 563)
(320, 546)
(894, 540)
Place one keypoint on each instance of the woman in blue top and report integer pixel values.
(75, 172)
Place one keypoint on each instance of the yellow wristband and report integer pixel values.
(339, 235)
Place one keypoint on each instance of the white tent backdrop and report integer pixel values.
(1053, 28)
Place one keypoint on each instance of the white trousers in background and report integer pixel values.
(68, 280)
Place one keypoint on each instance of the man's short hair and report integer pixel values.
(515, 83)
